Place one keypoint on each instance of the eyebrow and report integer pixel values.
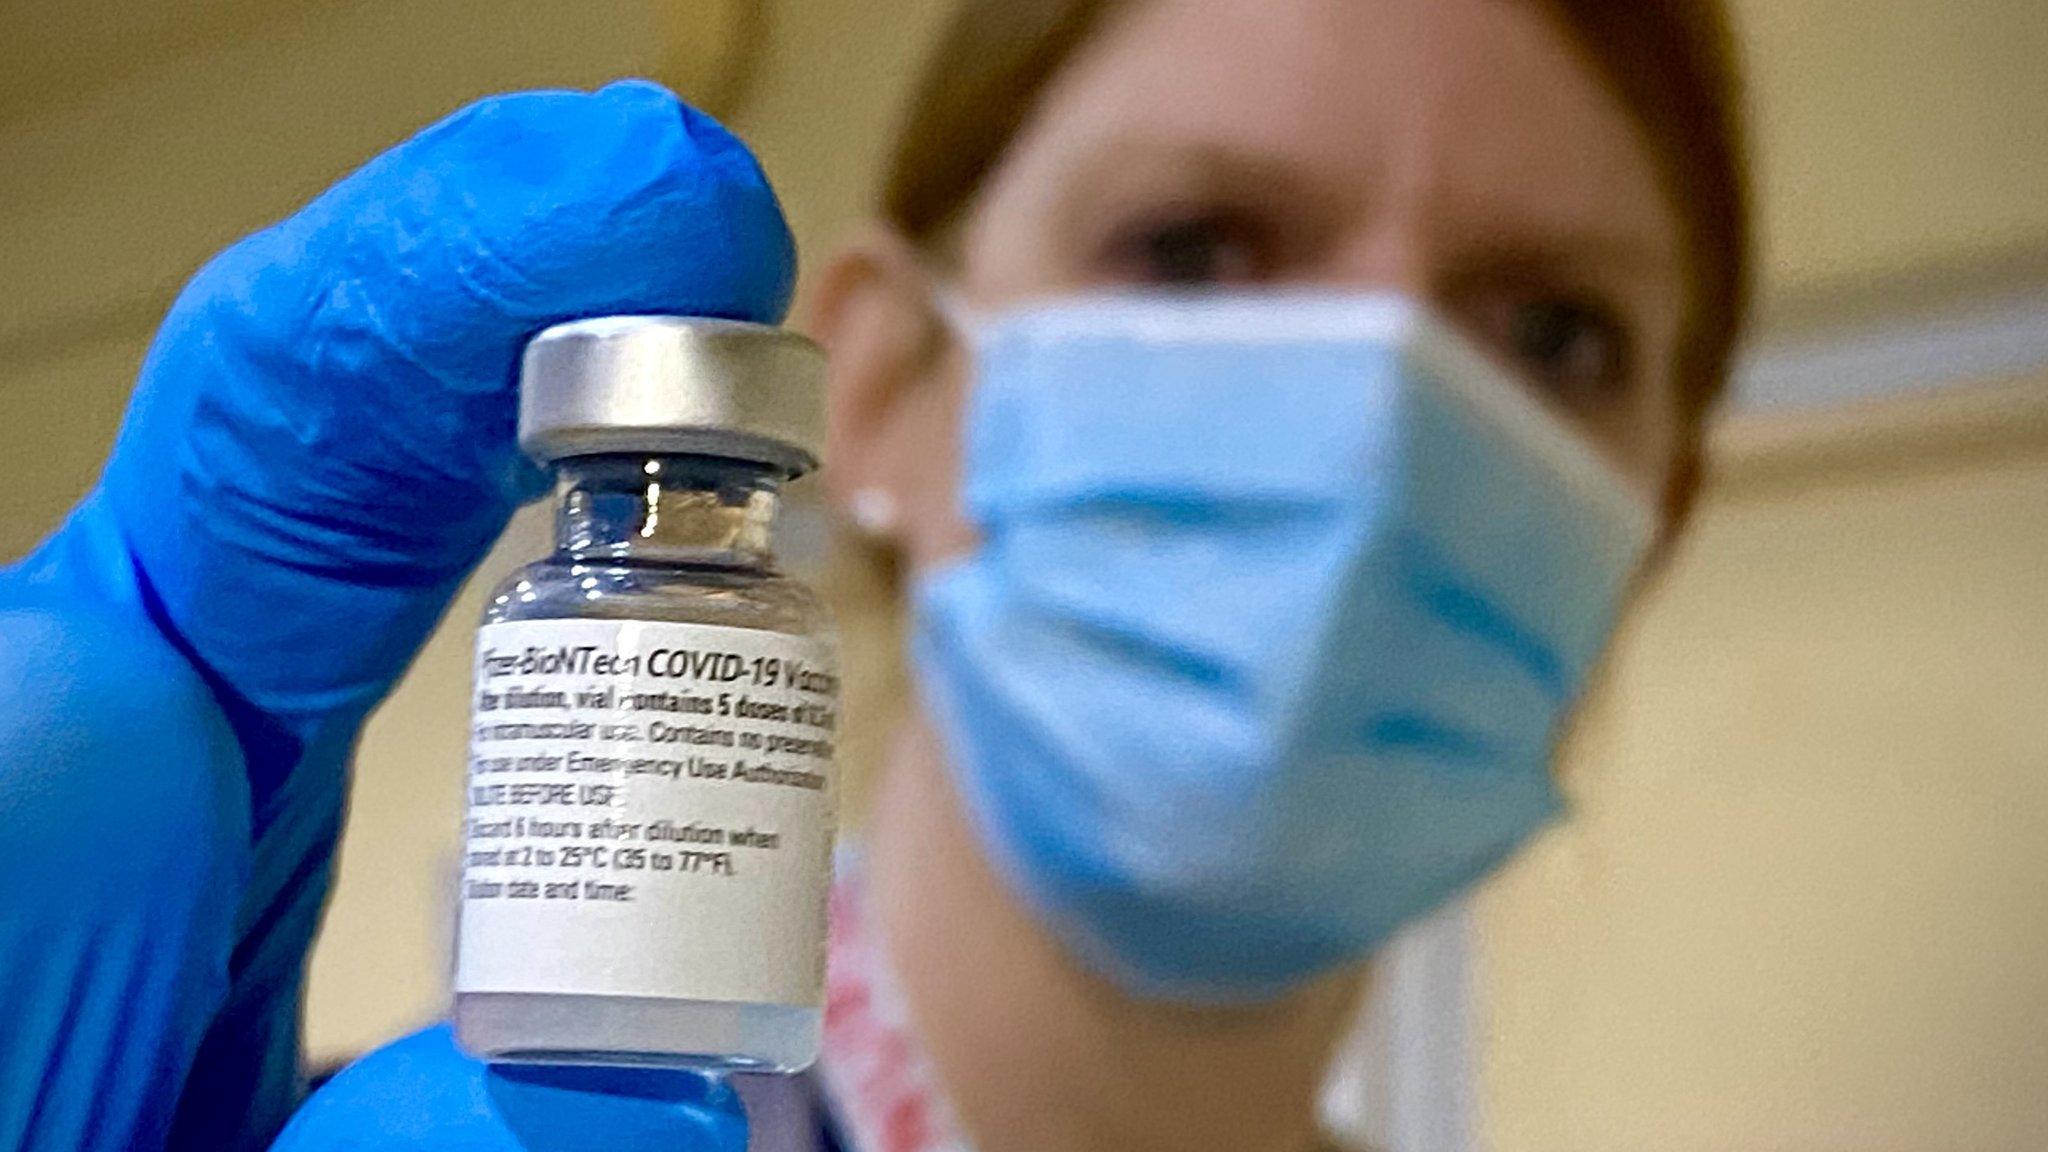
(1559, 242)
(1580, 245)
(1132, 167)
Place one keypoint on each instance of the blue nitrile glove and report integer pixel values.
(423, 1093)
(319, 449)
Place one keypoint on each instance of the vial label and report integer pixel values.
(650, 812)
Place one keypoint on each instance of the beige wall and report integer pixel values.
(1896, 137)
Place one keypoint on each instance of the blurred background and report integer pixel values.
(1804, 903)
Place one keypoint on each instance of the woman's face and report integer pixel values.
(1461, 151)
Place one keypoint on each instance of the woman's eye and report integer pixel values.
(1578, 350)
(1188, 253)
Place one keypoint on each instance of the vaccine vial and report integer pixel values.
(651, 796)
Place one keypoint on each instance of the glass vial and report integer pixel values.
(649, 832)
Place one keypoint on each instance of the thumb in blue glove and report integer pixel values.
(319, 449)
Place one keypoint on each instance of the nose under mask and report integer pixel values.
(1280, 605)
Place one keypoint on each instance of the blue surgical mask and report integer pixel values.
(1279, 607)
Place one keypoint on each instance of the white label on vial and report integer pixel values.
(650, 812)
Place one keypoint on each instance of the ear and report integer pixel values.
(893, 402)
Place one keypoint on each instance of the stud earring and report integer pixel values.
(874, 512)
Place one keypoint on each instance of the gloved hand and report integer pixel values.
(319, 449)
(422, 1092)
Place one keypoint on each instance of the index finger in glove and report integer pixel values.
(378, 329)
(324, 429)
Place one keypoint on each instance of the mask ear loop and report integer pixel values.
(963, 320)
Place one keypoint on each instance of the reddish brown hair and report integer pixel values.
(1670, 61)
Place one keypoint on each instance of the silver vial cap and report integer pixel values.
(673, 385)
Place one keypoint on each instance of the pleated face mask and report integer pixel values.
(1280, 605)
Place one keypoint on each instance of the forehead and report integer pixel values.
(1484, 111)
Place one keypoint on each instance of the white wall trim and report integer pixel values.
(1990, 338)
